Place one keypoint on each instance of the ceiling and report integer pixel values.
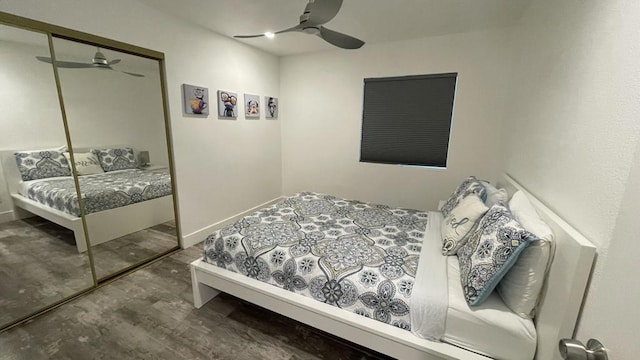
(372, 21)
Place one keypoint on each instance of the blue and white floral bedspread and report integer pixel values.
(100, 192)
(357, 256)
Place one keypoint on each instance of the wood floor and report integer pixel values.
(40, 264)
(149, 314)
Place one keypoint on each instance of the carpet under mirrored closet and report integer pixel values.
(149, 314)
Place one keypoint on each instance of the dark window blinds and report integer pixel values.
(406, 120)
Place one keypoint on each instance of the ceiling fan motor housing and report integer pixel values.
(99, 59)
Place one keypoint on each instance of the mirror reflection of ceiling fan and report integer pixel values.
(99, 61)
(316, 14)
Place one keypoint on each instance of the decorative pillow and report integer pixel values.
(459, 222)
(470, 186)
(494, 195)
(116, 158)
(41, 164)
(491, 250)
(86, 163)
(520, 288)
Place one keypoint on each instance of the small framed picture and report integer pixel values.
(196, 99)
(227, 104)
(251, 106)
(271, 107)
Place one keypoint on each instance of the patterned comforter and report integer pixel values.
(100, 191)
(357, 256)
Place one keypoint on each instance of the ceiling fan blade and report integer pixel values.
(295, 28)
(132, 74)
(65, 64)
(114, 61)
(44, 59)
(339, 39)
(126, 72)
(247, 36)
(322, 11)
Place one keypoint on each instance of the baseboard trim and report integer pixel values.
(6, 216)
(199, 235)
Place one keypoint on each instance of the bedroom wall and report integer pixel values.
(223, 167)
(573, 130)
(29, 107)
(321, 112)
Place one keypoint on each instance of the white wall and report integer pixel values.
(222, 167)
(31, 117)
(572, 132)
(321, 112)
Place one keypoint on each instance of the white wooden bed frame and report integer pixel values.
(557, 315)
(100, 225)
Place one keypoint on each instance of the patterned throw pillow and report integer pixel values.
(491, 250)
(470, 186)
(459, 222)
(41, 164)
(116, 158)
(86, 163)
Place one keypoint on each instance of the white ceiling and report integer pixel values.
(372, 21)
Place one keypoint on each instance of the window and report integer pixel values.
(406, 120)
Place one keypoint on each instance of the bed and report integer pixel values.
(376, 312)
(134, 199)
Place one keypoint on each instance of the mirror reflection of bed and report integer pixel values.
(116, 125)
(117, 133)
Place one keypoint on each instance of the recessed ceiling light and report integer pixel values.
(269, 34)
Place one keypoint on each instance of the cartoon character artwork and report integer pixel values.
(227, 102)
(272, 107)
(196, 99)
(251, 106)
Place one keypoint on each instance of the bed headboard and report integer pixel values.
(567, 280)
(10, 170)
(12, 175)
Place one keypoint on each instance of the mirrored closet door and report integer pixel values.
(86, 185)
(39, 261)
(115, 115)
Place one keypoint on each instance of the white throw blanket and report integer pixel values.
(430, 297)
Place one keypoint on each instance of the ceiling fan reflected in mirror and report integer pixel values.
(316, 14)
(99, 61)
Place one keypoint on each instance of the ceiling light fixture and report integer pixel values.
(269, 35)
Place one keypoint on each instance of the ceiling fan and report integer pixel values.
(316, 14)
(99, 61)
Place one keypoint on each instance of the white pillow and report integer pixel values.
(494, 195)
(521, 286)
(86, 163)
(459, 222)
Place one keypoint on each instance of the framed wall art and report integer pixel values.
(251, 106)
(271, 107)
(227, 104)
(196, 99)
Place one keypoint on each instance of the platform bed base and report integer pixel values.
(104, 225)
(209, 280)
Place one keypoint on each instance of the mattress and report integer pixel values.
(356, 256)
(491, 328)
(100, 192)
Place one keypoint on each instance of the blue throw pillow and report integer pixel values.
(491, 250)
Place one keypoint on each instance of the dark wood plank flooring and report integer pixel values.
(148, 314)
(40, 265)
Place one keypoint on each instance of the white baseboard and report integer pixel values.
(199, 235)
(6, 216)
